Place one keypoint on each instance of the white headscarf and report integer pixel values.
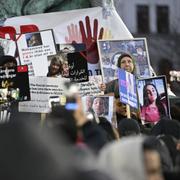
(124, 159)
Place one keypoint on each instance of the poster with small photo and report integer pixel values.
(14, 84)
(98, 106)
(111, 50)
(153, 99)
(33, 50)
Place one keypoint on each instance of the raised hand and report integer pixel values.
(90, 40)
(74, 34)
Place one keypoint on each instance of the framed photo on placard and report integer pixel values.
(110, 51)
(153, 99)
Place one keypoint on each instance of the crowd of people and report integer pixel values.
(68, 141)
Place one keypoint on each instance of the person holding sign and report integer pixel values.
(126, 62)
(153, 109)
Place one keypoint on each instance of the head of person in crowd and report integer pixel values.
(158, 144)
(111, 132)
(153, 109)
(62, 120)
(116, 159)
(171, 144)
(167, 126)
(8, 61)
(169, 131)
(55, 67)
(98, 106)
(126, 62)
(128, 127)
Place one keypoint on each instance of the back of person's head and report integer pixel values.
(7, 59)
(116, 159)
(171, 144)
(62, 121)
(107, 126)
(154, 143)
(167, 126)
(28, 153)
(128, 127)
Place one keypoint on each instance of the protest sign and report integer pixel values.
(14, 84)
(91, 87)
(33, 50)
(80, 26)
(153, 99)
(111, 50)
(127, 88)
(42, 89)
(78, 71)
(99, 106)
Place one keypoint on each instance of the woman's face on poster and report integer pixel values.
(151, 93)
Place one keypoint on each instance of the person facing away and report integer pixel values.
(116, 159)
(55, 68)
(153, 109)
(126, 62)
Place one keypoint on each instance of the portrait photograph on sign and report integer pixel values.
(153, 99)
(33, 39)
(58, 65)
(111, 50)
(99, 106)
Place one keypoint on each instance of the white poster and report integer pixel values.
(33, 50)
(42, 89)
(79, 26)
(91, 87)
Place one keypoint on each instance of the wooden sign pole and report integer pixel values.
(128, 111)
